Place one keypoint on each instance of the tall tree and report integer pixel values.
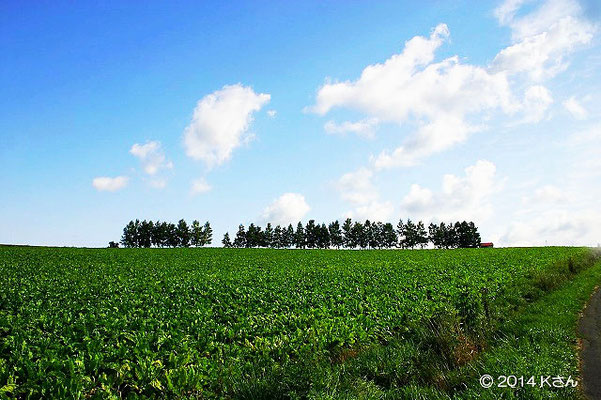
(335, 234)
(389, 236)
(288, 237)
(366, 240)
(409, 235)
(145, 234)
(128, 239)
(254, 236)
(400, 230)
(226, 242)
(436, 234)
(172, 233)
(278, 237)
(358, 235)
(347, 233)
(155, 235)
(183, 233)
(376, 239)
(267, 236)
(310, 234)
(450, 239)
(196, 234)
(322, 236)
(240, 240)
(421, 235)
(207, 234)
(299, 236)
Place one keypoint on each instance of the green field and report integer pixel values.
(102, 323)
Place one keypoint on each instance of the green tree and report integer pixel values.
(267, 236)
(196, 234)
(172, 235)
(322, 236)
(421, 235)
(358, 235)
(207, 234)
(128, 239)
(278, 238)
(299, 236)
(400, 230)
(335, 234)
(144, 231)
(409, 235)
(311, 234)
(347, 233)
(254, 236)
(288, 237)
(240, 240)
(389, 236)
(226, 242)
(439, 235)
(183, 234)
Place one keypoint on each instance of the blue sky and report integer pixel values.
(244, 112)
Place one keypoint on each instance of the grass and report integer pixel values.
(539, 339)
(255, 324)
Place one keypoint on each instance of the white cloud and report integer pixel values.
(220, 123)
(356, 187)
(546, 194)
(439, 134)
(272, 113)
(537, 100)
(287, 209)
(108, 184)
(375, 211)
(460, 197)
(364, 127)
(566, 213)
(542, 38)
(575, 108)
(449, 100)
(200, 186)
(158, 183)
(505, 13)
(555, 227)
(151, 156)
(410, 88)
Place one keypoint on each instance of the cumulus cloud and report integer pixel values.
(151, 156)
(410, 88)
(555, 228)
(287, 209)
(537, 100)
(365, 127)
(575, 108)
(108, 184)
(443, 99)
(358, 189)
(374, 210)
(566, 213)
(543, 38)
(460, 198)
(546, 194)
(220, 123)
(200, 186)
(435, 136)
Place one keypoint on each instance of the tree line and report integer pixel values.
(166, 234)
(355, 234)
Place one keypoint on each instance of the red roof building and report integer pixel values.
(487, 244)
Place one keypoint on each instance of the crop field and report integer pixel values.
(116, 323)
